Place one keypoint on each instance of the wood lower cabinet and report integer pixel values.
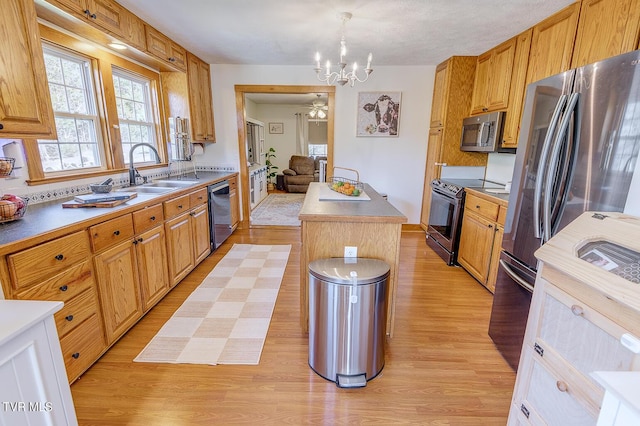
(606, 28)
(119, 285)
(180, 254)
(25, 104)
(201, 234)
(151, 257)
(481, 238)
(234, 201)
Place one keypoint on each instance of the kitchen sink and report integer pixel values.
(171, 183)
(147, 189)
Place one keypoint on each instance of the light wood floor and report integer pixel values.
(441, 366)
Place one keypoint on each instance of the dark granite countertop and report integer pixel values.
(52, 218)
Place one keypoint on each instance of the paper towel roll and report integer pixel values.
(14, 150)
(198, 149)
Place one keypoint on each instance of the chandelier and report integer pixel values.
(341, 76)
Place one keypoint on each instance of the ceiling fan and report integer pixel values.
(318, 108)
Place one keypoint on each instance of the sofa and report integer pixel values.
(301, 172)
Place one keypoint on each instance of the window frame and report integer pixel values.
(90, 81)
(103, 62)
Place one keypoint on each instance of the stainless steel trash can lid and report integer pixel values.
(338, 270)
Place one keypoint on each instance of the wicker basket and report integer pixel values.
(12, 210)
(6, 165)
(346, 186)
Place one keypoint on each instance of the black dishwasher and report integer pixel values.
(219, 213)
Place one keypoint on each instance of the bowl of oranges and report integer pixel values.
(345, 186)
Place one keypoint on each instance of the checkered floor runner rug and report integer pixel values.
(225, 320)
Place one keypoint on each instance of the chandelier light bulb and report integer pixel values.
(341, 76)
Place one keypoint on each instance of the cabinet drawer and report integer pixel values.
(111, 232)
(147, 218)
(82, 346)
(484, 208)
(45, 260)
(198, 197)
(76, 311)
(550, 398)
(176, 206)
(580, 335)
(63, 286)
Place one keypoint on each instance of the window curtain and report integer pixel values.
(302, 132)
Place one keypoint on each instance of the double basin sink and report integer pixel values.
(159, 186)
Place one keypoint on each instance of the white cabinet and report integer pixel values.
(34, 387)
(583, 318)
(257, 186)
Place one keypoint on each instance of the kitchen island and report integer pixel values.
(372, 225)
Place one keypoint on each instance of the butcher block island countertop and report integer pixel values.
(373, 226)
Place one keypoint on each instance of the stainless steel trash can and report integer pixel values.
(347, 319)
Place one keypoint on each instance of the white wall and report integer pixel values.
(394, 166)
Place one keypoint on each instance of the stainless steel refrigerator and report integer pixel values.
(577, 151)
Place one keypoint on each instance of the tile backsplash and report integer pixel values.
(121, 180)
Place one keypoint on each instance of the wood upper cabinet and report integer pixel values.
(200, 99)
(165, 49)
(493, 78)
(517, 90)
(438, 103)
(133, 31)
(552, 44)
(106, 14)
(25, 104)
(606, 28)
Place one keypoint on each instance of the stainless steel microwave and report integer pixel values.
(483, 133)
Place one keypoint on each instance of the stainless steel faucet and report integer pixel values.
(133, 173)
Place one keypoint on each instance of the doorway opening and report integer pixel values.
(241, 92)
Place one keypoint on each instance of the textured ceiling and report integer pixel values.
(289, 32)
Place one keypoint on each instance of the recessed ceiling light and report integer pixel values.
(117, 46)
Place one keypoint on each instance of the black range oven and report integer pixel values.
(445, 219)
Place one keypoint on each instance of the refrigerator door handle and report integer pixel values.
(546, 146)
(511, 273)
(553, 165)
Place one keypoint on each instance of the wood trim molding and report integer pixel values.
(240, 91)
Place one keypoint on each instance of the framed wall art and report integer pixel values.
(378, 114)
(276, 128)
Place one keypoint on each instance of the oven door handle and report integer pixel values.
(522, 283)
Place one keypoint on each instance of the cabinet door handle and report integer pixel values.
(59, 256)
(116, 233)
(87, 12)
(171, 59)
(69, 317)
(180, 206)
(1, 126)
(490, 225)
(76, 355)
(152, 218)
(562, 386)
(64, 288)
(577, 310)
